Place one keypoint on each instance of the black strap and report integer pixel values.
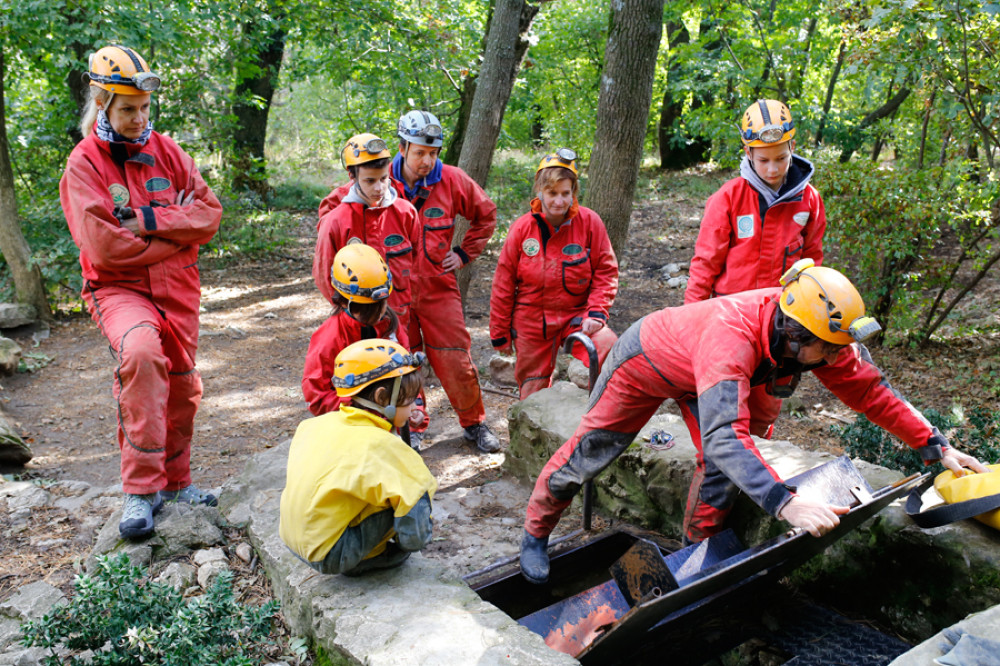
(948, 513)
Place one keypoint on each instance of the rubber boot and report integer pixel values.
(535, 559)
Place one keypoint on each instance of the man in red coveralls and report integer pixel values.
(138, 209)
(707, 356)
(757, 225)
(440, 193)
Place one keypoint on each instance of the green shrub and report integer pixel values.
(127, 620)
(974, 433)
(250, 230)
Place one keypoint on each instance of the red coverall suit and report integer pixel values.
(743, 244)
(707, 356)
(546, 282)
(144, 292)
(437, 324)
(391, 229)
(340, 330)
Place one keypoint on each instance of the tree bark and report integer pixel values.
(672, 113)
(923, 129)
(623, 112)
(834, 75)
(883, 111)
(27, 277)
(506, 44)
(251, 105)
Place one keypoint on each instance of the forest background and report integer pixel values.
(896, 102)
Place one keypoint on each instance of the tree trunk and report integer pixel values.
(454, 150)
(834, 75)
(883, 111)
(251, 105)
(623, 112)
(27, 277)
(506, 44)
(923, 129)
(672, 113)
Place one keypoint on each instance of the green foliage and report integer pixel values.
(975, 433)
(250, 230)
(127, 620)
(905, 249)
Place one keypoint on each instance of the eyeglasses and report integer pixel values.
(372, 147)
(768, 133)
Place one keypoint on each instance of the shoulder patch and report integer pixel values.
(119, 194)
(434, 213)
(801, 218)
(392, 240)
(157, 184)
(572, 248)
(531, 246)
(744, 226)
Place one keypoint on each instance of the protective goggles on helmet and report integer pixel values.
(372, 147)
(379, 293)
(144, 81)
(768, 133)
(396, 361)
(429, 131)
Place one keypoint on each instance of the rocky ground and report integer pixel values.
(257, 317)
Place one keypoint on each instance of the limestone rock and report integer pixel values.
(578, 373)
(245, 552)
(985, 624)
(13, 315)
(178, 575)
(10, 356)
(32, 601)
(14, 451)
(502, 370)
(677, 282)
(203, 557)
(208, 572)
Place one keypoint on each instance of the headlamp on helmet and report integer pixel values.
(825, 303)
(765, 123)
(564, 157)
(420, 127)
(360, 274)
(364, 148)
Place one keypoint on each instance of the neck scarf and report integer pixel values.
(106, 132)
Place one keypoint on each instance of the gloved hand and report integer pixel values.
(962, 649)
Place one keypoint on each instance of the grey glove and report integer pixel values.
(964, 649)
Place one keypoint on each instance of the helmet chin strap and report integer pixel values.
(388, 411)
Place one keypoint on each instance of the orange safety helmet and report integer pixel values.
(360, 274)
(767, 122)
(826, 303)
(122, 71)
(363, 148)
(564, 157)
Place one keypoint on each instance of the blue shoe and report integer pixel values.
(137, 515)
(535, 559)
(189, 495)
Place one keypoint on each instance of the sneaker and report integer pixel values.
(416, 440)
(484, 438)
(137, 515)
(535, 559)
(189, 495)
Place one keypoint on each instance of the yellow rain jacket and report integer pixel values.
(344, 466)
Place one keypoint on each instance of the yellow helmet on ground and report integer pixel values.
(826, 303)
(767, 122)
(564, 157)
(122, 71)
(363, 148)
(360, 274)
(368, 361)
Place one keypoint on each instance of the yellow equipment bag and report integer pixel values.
(968, 496)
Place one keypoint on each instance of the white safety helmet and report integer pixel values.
(420, 127)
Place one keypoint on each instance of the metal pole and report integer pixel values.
(588, 486)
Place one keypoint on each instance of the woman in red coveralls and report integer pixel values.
(557, 274)
(138, 209)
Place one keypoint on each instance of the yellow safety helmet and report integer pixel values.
(363, 148)
(767, 122)
(360, 274)
(826, 303)
(564, 157)
(368, 361)
(122, 71)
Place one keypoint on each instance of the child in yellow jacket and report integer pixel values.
(357, 497)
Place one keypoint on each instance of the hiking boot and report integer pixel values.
(535, 559)
(137, 515)
(484, 438)
(189, 495)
